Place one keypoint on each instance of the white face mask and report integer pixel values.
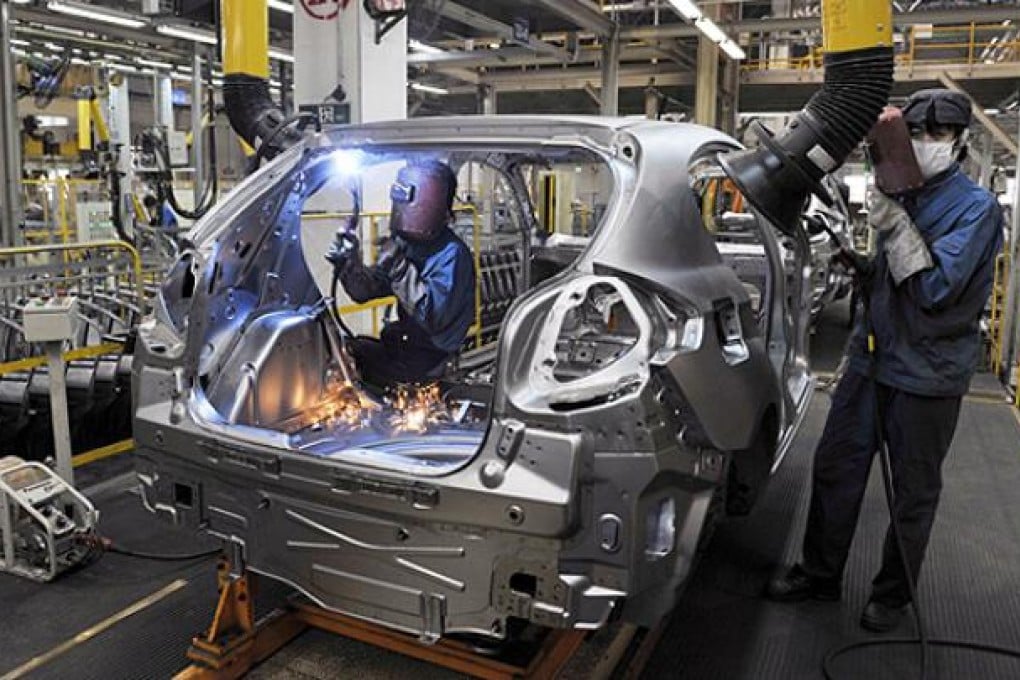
(934, 157)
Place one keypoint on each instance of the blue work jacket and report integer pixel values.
(926, 329)
(437, 310)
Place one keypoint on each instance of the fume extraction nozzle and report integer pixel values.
(779, 176)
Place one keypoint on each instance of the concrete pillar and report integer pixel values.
(340, 49)
(706, 94)
(706, 86)
(119, 122)
(10, 137)
(729, 102)
(610, 95)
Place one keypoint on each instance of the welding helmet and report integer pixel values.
(934, 108)
(422, 200)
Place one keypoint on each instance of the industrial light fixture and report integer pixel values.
(429, 88)
(732, 49)
(280, 55)
(281, 6)
(419, 46)
(23, 43)
(52, 121)
(690, 11)
(687, 9)
(185, 33)
(107, 16)
(711, 31)
(154, 64)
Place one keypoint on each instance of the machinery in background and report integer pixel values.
(44, 521)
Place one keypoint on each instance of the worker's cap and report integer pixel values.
(937, 108)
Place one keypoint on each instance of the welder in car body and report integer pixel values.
(427, 267)
(927, 288)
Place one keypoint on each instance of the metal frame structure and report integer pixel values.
(581, 498)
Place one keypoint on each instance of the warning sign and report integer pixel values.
(324, 9)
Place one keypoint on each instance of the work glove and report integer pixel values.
(392, 257)
(904, 248)
(344, 250)
(858, 265)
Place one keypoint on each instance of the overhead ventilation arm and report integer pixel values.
(779, 176)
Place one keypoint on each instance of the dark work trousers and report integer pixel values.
(918, 431)
(389, 362)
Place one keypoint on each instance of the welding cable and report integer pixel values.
(159, 557)
(102, 544)
(922, 640)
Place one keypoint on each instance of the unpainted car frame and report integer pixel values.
(586, 497)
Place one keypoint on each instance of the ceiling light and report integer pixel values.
(419, 46)
(53, 47)
(281, 6)
(154, 64)
(732, 49)
(429, 88)
(52, 121)
(106, 16)
(687, 9)
(711, 31)
(22, 2)
(63, 29)
(185, 33)
(23, 43)
(280, 55)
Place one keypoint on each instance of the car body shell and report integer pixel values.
(584, 497)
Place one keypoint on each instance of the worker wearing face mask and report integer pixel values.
(927, 288)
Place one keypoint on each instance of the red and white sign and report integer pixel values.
(324, 9)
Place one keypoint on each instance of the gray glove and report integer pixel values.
(905, 250)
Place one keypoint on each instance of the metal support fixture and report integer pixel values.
(10, 147)
(52, 322)
(235, 641)
(197, 138)
(610, 96)
(58, 410)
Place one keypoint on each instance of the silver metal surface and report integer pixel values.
(627, 391)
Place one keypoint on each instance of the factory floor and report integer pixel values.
(127, 618)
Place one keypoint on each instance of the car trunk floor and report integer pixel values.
(721, 628)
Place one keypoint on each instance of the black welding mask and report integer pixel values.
(422, 199)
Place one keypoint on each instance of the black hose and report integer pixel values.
(159, 557)
(922, 640)
(255, 116)
(778, 176)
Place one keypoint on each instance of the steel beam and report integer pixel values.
(997, 132)
(964, 15)
(581, 13)
(487, 24)
(10, 137)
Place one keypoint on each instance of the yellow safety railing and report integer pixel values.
(960, 44)
(373, 219)
(998, 302)
(30, 363)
